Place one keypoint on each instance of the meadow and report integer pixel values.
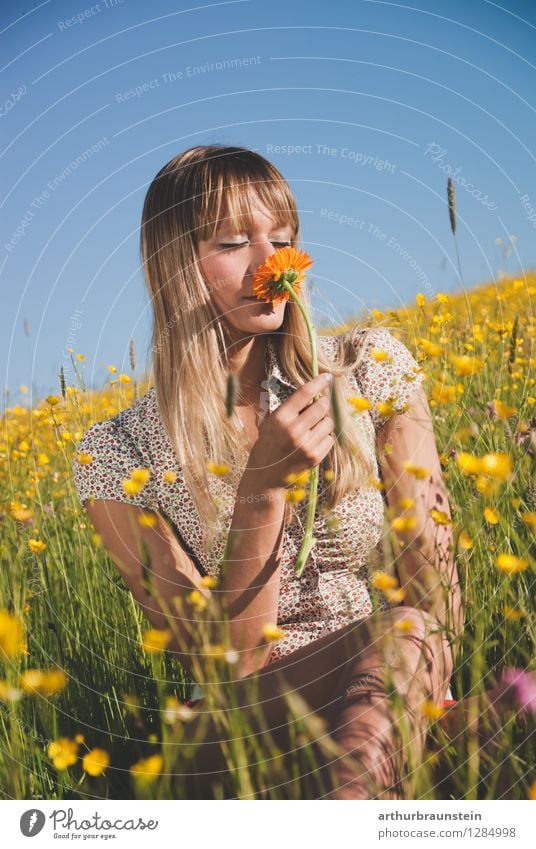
(91, 706)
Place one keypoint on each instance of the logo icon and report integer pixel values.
(31, 822)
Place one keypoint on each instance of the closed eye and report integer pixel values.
(234, 247)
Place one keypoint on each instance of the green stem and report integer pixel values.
(309, 541)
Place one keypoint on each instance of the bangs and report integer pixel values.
(230, 189)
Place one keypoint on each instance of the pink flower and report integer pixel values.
(516, 689)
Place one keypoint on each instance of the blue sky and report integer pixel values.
(363, 105)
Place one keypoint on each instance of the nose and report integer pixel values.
(262, 248)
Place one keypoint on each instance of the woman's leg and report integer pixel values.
(340, 677)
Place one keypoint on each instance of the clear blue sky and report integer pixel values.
(382, 97)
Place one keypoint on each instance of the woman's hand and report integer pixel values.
(296, 437)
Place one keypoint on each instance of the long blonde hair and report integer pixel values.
(185, 203)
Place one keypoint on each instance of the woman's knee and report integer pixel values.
(420, 628)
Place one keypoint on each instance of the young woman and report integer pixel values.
(211, 217)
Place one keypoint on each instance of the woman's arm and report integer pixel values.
(425, 562)
(172, 572)
(251, 581)
(249, 589)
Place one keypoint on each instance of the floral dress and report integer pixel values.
(334, 588)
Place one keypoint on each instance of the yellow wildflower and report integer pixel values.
(124, 378)
(197, 599)
(514, 614)
(214, 650)
(20, 512)
(329, 475)
(383, 581)
(359, 404)
(468, 463)
(9, 693)
(379, 355)
(11, 632)
(43, 682)
(84, 459)
(376, 483)
(147, 769)
(136, 482)
(395, 596)
(402, 524)
(529, 519)
(43, 459)
(209, 581)
(443, 393)
(431, 349)
(52, 400)
(431, 711)
(510, 564)
(95, 762)
(491, 515)
(36, 545)
(219, 469)
(170, 477)
(147, 520)
(406, 503)
(465, 365)
(440, 517)
(112, 369)
(272, 633)
(417, 471)
(63, 752)
(420, 299)
(464, 541)
(299, 478)
(485, 486)
(532, 791)
(404, 626)
(154, 641)
(502, 410)
(295, 495)
(496, 465)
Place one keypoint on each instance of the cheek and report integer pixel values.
(226, 280)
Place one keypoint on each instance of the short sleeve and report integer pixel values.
(105, 457)
(387, 374)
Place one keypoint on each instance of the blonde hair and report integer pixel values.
(185, 203)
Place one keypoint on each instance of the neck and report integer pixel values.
(245, 359)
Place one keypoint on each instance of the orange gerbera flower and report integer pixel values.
(279, 279)
(285, 265)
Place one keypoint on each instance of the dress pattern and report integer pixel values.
(334, 588)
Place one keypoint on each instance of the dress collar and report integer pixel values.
(273, 365)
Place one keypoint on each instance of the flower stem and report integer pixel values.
(309, 540)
